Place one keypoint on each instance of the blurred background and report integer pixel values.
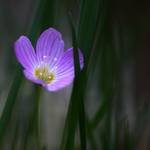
(113, 88)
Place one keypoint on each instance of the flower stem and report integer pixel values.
(37, 114)
(82, 127)
(34, 121)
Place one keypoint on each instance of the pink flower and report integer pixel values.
(48, 65)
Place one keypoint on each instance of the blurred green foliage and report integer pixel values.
(102, 112)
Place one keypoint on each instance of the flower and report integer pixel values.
(49, 65)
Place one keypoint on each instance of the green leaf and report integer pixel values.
(76, 102)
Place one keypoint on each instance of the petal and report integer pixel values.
(66, 64)
(30, 76)
(25, 52)
(65, 71)
(50, 46)
(59, 84)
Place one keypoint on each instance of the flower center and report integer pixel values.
(43, 74)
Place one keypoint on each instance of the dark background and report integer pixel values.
(131, 18)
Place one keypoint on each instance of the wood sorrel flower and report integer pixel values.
(49, 65)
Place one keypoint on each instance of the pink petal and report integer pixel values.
(30, 76)
(25, 52)
(50, 46)
(65, 71)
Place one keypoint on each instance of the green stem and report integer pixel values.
(82, 125)
(90, 135)
(37, 120)
(34, 126)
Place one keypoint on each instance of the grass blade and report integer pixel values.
(73, 116)
(6, 114)
(33, 30)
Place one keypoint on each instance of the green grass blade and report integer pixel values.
(102, 56)
(10, 101)
(45, 19)
(127, 137)
(33, 30)
(82, 128)
(33, 125)
(87, 26)
(73, 116)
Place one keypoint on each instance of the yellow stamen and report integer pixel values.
(43, 74)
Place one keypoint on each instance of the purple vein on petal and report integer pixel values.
(50, 57)
(25, 52)
(47, 44)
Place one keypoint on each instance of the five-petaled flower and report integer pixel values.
(48, 65)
